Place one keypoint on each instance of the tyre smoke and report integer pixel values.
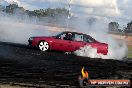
(117, 49)
(18, 29)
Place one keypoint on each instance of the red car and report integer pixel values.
(67, 42)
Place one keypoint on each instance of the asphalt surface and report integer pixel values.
(23, 65)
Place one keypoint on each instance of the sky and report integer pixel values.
(118, 10)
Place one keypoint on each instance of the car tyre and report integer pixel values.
(43, 46)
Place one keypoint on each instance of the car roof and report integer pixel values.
(78, 33)
(74, 32)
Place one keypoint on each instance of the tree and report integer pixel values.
(10, 8)
(114, 26)
(48, 12)
(128, 29)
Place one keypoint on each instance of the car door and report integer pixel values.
(62, 44)
(78, 41)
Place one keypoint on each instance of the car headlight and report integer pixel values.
(31, 38)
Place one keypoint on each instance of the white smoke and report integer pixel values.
(13, 29)
(10, 2)
(116, 50)
(18, 29)
(87, 51)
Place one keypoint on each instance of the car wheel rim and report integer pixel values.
(43, 46)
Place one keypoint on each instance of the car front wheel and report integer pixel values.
(43, 46)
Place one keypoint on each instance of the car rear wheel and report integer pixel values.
(43, 46)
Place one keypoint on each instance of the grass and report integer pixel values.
(129, 52)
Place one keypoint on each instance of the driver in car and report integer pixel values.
(68, 36)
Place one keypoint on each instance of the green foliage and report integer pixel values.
(113, 26)
(128, 29)
(49, 12)
(13, 8)
(10, 8)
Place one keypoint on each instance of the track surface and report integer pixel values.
(21, 64)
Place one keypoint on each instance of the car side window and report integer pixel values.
(66, 36)
(78, 37)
